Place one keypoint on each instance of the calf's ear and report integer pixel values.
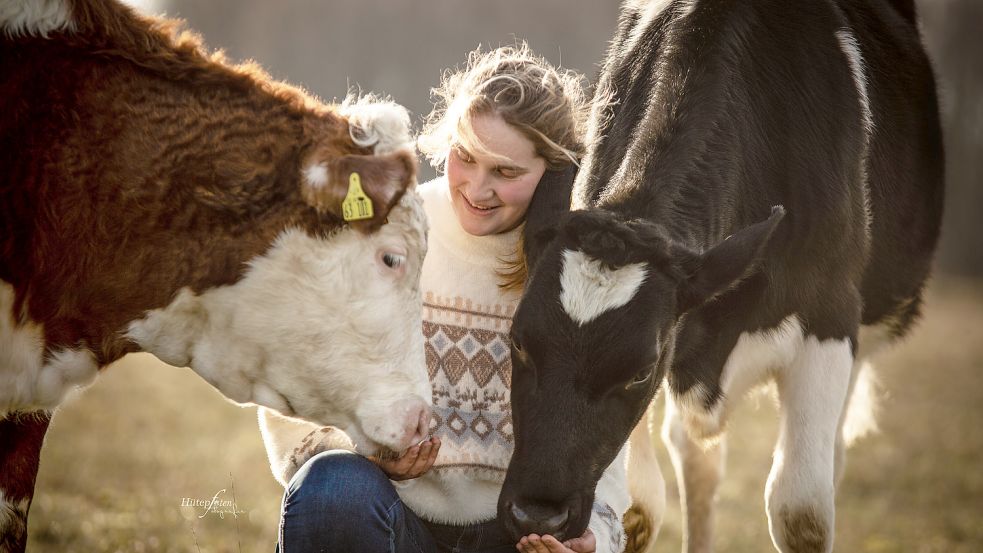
(722, 267)
(549, 203)
(380, 180)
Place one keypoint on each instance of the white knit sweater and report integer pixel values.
(466, 320)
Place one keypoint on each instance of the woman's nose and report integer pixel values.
(479, 188)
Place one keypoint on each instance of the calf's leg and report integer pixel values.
(800, 491)
(647, 487)
(699, 468)
(21, 438)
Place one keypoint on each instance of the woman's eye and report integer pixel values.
(392, 260)
(463, 156)
(508, 175)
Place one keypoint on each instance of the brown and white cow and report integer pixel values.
(155, 198)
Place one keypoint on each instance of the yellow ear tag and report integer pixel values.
(357, 205)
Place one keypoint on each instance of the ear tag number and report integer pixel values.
(357, 205)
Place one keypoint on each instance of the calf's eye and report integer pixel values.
(392, 260)
(642, 376)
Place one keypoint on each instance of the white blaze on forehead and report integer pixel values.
(589, 289)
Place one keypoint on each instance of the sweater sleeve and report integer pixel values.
(611, 501)
(291, 442)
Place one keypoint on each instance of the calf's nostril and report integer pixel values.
(522, 520)
(539, 520)
(420, 426)
(556, 522)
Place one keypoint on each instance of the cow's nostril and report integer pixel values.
(522, 520)
(421, 425)
(539, 520)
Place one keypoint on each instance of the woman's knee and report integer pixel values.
(340, 481)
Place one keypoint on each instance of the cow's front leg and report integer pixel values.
(21, 438)
(800, 491)
(699, 468)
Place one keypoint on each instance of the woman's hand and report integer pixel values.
(414, 463)
(548, 544)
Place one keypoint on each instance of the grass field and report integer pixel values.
(122, 457)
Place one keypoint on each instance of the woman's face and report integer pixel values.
(491, 194)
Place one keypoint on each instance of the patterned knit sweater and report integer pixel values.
(466, 320)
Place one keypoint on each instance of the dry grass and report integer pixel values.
(120, 458)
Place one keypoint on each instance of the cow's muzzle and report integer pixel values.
(524, 517)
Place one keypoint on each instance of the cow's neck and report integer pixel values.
(657, 154)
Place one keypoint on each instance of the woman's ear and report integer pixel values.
(549, 203)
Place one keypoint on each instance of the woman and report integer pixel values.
(498, 126)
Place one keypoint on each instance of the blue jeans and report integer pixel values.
(341, 502)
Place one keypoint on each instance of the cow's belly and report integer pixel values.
(756, 358)
(32, 378)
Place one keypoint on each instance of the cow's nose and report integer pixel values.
(407, 426)
(422, 427)
(539, 519)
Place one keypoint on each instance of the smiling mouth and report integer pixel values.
(478, 207)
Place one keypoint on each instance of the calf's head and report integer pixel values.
(591, 341)
(323, 322)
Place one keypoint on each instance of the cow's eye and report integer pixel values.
(642, 376)
(392, 260)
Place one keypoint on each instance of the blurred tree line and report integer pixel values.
(401, 47)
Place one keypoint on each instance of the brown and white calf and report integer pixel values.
(155, 198)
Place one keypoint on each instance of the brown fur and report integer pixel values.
(134, 163)
(638, 528)
(22, 435)
(804, 531)
(13, 536)
(140, 165)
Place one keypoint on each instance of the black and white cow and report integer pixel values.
(763, 186)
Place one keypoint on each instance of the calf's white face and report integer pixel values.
(323, 329)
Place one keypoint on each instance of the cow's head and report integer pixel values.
(591, 341)
(324, 321)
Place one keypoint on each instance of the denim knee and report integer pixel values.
(340, 501)
(342, 483)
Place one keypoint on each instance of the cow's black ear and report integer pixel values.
(550, 202)
(724, 266)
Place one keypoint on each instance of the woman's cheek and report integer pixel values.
(519, 194)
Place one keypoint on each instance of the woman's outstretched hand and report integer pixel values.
(414, 463)
(548, 544)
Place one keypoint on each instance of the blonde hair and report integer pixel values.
(546, 104)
